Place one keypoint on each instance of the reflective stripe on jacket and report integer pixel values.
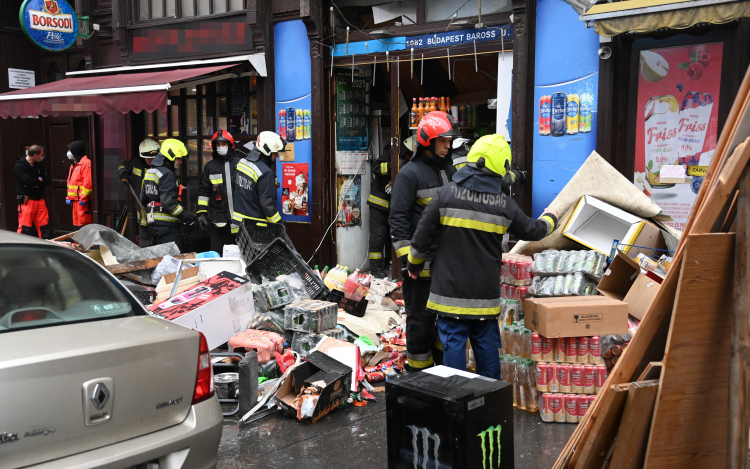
(467, 263)
(160, 187)
(213, 197)
(255, 192)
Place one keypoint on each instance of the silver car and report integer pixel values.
(88, 378)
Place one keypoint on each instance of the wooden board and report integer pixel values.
(652, 371)
(689, 428)
(632, 436)
(604, 427)
(141, 265)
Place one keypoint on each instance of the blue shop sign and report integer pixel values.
(464, 36)
(50, 24)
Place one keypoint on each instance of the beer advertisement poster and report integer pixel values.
(294, 189)
(349, 192)
(676, 122)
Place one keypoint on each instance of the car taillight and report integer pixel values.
(32, 315)
(204, 382)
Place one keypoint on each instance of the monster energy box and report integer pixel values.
(447, 418)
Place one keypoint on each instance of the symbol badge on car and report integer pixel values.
(100, 396)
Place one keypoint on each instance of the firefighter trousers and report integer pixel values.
(485, 342)
(380, 239)
(144, 236)
(221, 235)
(422, 347)
(166, 233)
(33, 219)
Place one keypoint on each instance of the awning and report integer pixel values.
(645, 16)
(82, 96)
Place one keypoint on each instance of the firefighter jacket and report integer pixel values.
(466, 269)
(79, 180)
(417, 183)
(215, 196)
(255, 190)
(459, 156)
(133, 170)
(379, 198)
(27, 179)
(160, 193)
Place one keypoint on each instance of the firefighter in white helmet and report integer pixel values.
(132, 172)
(255, 181)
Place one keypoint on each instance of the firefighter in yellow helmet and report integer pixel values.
(469, 216)
(165, 216)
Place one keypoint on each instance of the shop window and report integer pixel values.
(444, 10)
(221, 109)
(174, 122)
(219, 6)
(149, 124)
(153, 9)
(188, 8)
(192, 117)
(204, 7)
(207, 153)
(161, 122)
(192, 159)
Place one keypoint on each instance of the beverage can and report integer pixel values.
(589, 378)
(545, 114)
(583, 349)
(571, 354)
(545, 412)
(571, 408)
(563, 378)
(576, 378)
(583, 404)
(307, 124)
(548, 349)
(572, 114)
(291, 130)
(552, 383)
(558, 121)
(601, 377)
(536, 347)
(556, 408)
(282, 123)
(561, 349)
(522, 293)
(595, 350)
(542, 380)
(591, 400)
(584, 120)
(299, 124)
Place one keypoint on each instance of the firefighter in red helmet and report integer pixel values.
(215, 202)
(417, 182)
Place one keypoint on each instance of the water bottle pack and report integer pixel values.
(554, 262)
(575, 284)
(310, 316)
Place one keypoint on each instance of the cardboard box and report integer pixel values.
(187, 280)
(220, 307)
(347, 354)
(596, 224)
(320, 370)
(576, 316)
(619, 277)
(641, 295)
(650, 241)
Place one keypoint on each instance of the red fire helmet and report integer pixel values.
(436, 124)
(222, 136)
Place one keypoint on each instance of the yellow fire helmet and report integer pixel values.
(173, 148)
(490, 154)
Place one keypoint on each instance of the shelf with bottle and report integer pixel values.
(427, 105)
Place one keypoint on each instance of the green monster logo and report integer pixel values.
(490, 433)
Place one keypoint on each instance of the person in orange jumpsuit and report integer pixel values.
(80, 190)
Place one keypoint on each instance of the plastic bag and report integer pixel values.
(168, 265)
(297, 285)
(275, 294)
(272, 321)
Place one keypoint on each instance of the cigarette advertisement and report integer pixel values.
(676, 124)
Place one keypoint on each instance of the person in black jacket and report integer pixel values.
(379, 202)
(133, 172)
(160, 196)
(468, 218)
(417, 182)
(30, 182)
(215, 196)
(255, 181)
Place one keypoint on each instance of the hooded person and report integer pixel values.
(469, 216)
(80, 188)
(160, 195)
(216, 194)
(133, 172)
(255, 181)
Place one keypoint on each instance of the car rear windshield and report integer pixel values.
(42, 286)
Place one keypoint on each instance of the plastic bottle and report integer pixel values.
(414, 114)
(512, 379)
(518, 396)
(420, 110)
(324, 273)
(526, 338)
(351, 288)
(471, 363)
(531, 378)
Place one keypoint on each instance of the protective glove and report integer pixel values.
(81, 203)
(67, 201)
(188, 221)
(203, 222)
(124, 182)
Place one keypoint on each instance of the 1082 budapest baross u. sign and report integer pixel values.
(50, 24)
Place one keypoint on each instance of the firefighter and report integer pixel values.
(417, 182)
(30, 182)
(461, 147)
(80, 189)
(255, 181)
(161, 193)
(215, 198)
(470, 216)
(133, 172)
(379, 200)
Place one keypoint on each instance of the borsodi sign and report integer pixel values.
(50, 24)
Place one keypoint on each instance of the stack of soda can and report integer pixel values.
(515, 277)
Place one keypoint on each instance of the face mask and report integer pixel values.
(70, 155)
(222, 150)
(41, 158)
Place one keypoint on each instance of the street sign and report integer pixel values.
(50, 24)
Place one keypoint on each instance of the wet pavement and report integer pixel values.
(356, 437)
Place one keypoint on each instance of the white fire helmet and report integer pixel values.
(270, 142)
(148, 148)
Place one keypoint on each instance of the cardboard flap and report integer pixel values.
(186, 274)
(619, 277)
(326, 363)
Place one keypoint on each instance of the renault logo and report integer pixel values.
(100, 396)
